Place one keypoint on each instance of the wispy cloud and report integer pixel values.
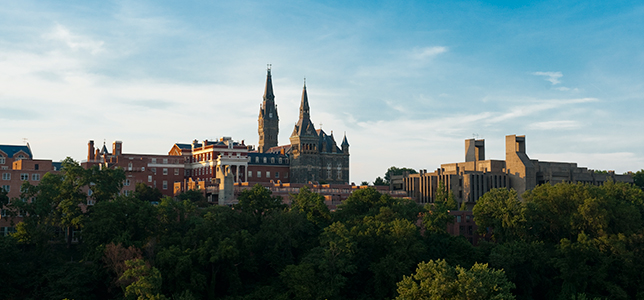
(74, 41)
(553, 77)
(427, 52)
(558, 125)
(533, 108)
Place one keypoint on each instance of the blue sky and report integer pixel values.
(407, 82)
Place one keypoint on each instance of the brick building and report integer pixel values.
(17, 166)
(155, 170)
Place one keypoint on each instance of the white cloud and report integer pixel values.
(74, 41)
(553, 77)
(427, 52)
(549, 125)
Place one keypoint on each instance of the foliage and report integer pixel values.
(638, 179)
(567, 241)
(312, 205)
(147, 193)
(145, 281)
(437, 216)
(393, 171)
(438, 280)
(380, 181)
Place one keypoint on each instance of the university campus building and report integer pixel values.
(469, 180)
(17, 165)
(224, 167)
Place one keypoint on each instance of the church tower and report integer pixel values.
(305, 165)
(268, 120)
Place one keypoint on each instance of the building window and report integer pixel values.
(127, 192)
(280, 160)
(264, 159)
(35, 177)
(154, 160)
(154, 170)
(165, 161)
(285, 175)
(20, 157)
(272, 160)
(89, 192)
(277, 174)
(259, 174)
(129, 166)
(6, 176)
(268, 174)
(2, 160)
(127, 182)
(24, 176)
(176, 171)
(165, 185)
(286, 160)
(142, 169)
(165, 171)
(458, 219)
(250, 173)
(36, 167)
(257, 159)
(149, 178)
(6, 188)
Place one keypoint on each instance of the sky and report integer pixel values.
(407, 81)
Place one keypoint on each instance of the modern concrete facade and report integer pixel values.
(469, 180)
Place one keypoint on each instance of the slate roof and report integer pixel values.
(11, 150)
(327, 143)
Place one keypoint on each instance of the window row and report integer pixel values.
(265, 160)
(23, 176)
(267, 173)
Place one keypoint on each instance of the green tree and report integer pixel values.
(125, 220)
(638, 179)
(393, 171)
(438, 280)
(145, 281)
(380, 181)
(147, 193)
(195, 196)
(501, 211)
(258, 201)
(312, 205)
(438, 216)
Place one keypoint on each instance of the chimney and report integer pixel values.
(90, 150)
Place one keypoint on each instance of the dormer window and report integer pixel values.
(2, 160)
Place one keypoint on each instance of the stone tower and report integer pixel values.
(268, 120)
(305, 164)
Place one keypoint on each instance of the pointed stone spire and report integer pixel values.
(304, 104)
(344, 140)
(268, 90)
(268, 120)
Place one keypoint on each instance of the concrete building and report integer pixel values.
(469, 180)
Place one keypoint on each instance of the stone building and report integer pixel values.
(469, 180)
(313, 154)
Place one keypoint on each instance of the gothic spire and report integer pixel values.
(268, 91)
(304, 105)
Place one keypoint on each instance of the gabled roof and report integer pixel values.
(12, 150)
(327, 143)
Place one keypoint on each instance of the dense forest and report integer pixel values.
(567, 241)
